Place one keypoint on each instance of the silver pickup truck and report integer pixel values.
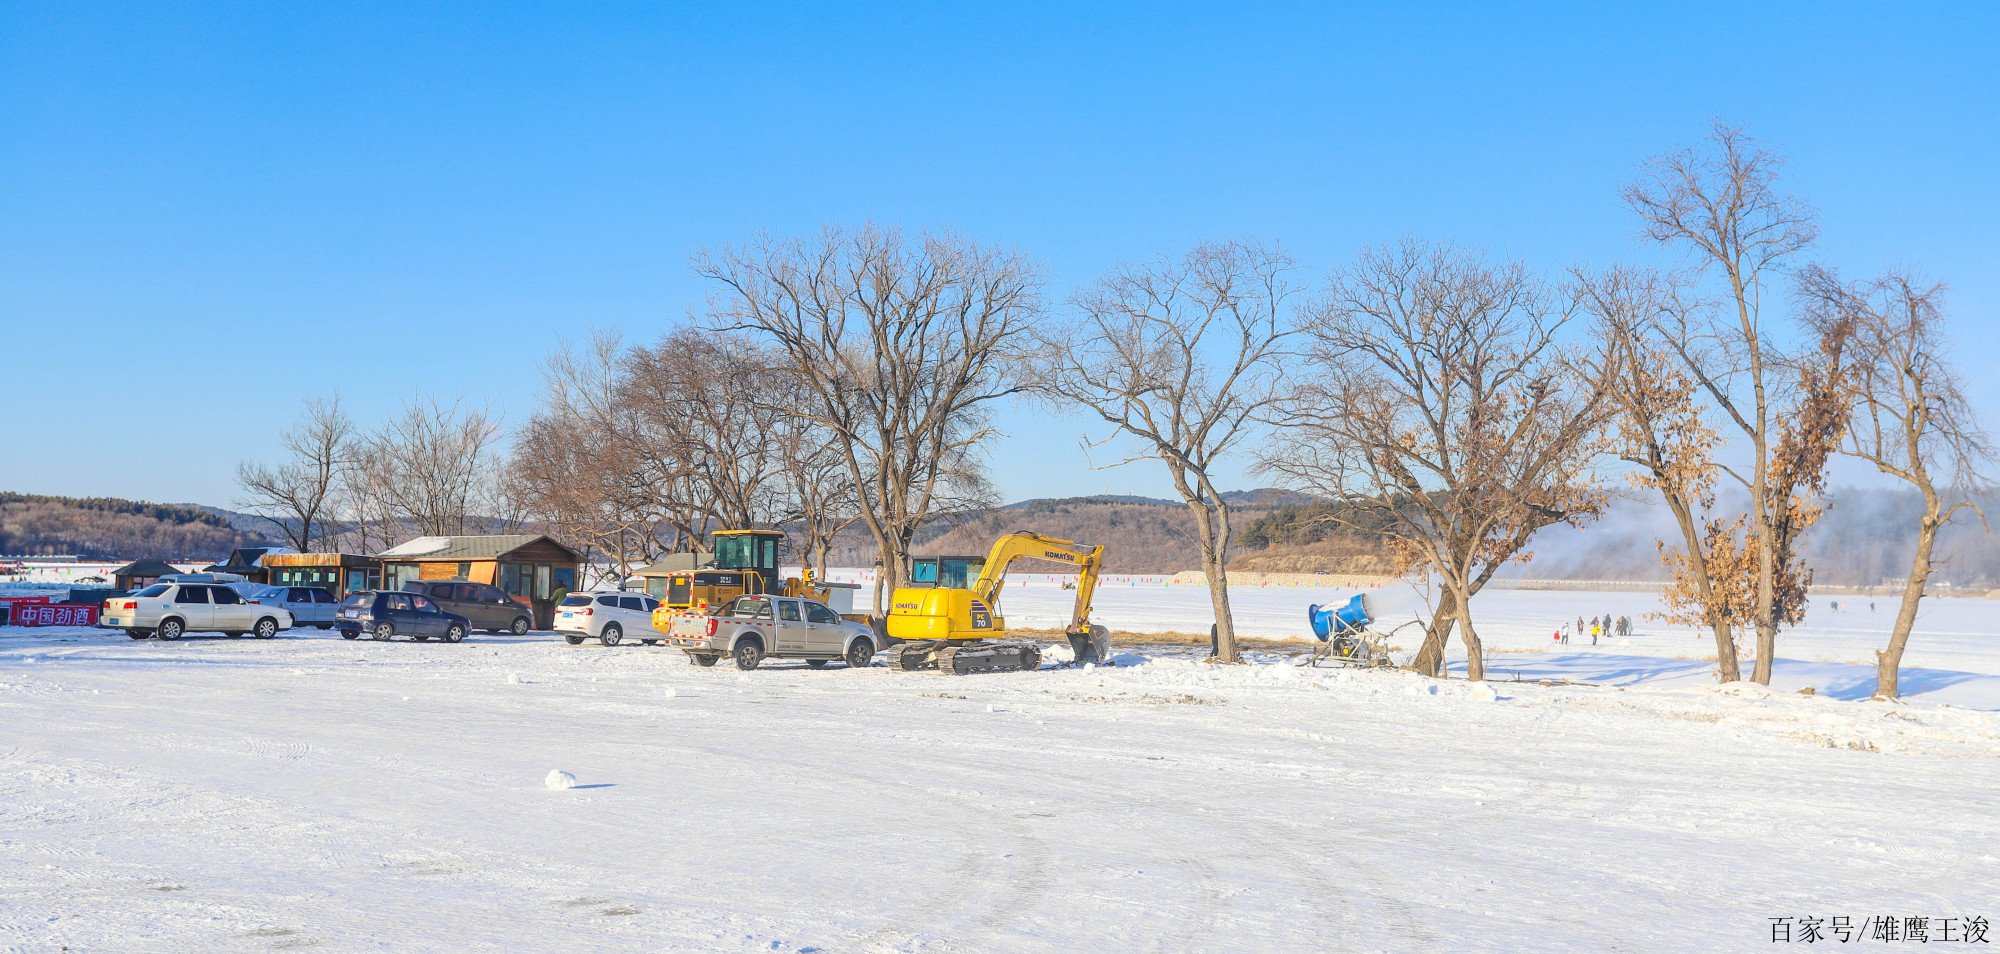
(751, 629)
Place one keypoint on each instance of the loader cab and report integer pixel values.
(946, 572)
(753, 553)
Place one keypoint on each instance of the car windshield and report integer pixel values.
(156, 589)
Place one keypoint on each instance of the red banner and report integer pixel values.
(54, 614)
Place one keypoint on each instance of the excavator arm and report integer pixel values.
(1023, 545)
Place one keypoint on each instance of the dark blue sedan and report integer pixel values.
(386, 614)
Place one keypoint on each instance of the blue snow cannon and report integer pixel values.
(1349, 620)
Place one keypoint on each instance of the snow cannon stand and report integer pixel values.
(1344, 637)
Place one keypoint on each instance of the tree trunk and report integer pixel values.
(1889, 662)
(1218, 596)
(1475, 655)
(1767, 646)
(1430, 657)
(1725, 637)
(1212, 536)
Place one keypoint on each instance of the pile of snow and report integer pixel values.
(559, 779)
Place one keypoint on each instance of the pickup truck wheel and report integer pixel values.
(454, 633)
(171, 629)
(572, 639)
(816, 663)
(138, 633)
(384, 632)
(702, 661)
(610, 634)
(748, 654)
(267, 628)
(520, 627)
(860, 654)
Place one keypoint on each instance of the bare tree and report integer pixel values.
(1180, 358)
(575, 465)
(821, 500)
(298, 495)
(1720, 205)
(1910, 417)
(900, 347)
(703, 405)
(1436, 405)
(430, 466)
(1660, 427)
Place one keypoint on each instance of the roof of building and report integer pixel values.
(671, 563)
(145, 568)
(465, 548)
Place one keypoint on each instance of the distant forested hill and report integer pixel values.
(107, 528)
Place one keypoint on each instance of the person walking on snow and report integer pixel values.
(1593, 631)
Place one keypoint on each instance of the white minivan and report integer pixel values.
(607, 616)
(169, 610)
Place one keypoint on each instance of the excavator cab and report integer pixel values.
(953, 572)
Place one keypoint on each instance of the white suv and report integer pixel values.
(168, 610)
(607, 616)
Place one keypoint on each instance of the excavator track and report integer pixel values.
(968, 658)
(911, 657)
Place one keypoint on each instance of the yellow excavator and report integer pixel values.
(956, 629)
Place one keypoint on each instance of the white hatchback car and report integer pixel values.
(607, 616)
(168, 610)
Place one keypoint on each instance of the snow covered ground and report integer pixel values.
(244, 795)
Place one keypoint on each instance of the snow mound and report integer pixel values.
(559, 779)
(668, 692)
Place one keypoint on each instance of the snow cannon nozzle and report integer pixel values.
(1328, 622)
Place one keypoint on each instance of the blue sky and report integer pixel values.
(210, 212)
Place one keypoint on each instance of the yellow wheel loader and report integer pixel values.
(745, 564)
(957, 630)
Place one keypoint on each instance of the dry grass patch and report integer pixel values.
(1121, 637)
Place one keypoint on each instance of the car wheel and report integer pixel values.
(650, 642)
(860, 654)
(420, 637)
(171, 629)
(610, 634)
(748, 654)
(572, 639)
(267, 628)
(702, 661)
(137, 633)
(233, 635)
(384, 631)
(816, 663)
(520, 627)
(350, 634)
(454, 633)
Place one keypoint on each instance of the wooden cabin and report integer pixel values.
(338, 573)
(533, 569)
(140, 574)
